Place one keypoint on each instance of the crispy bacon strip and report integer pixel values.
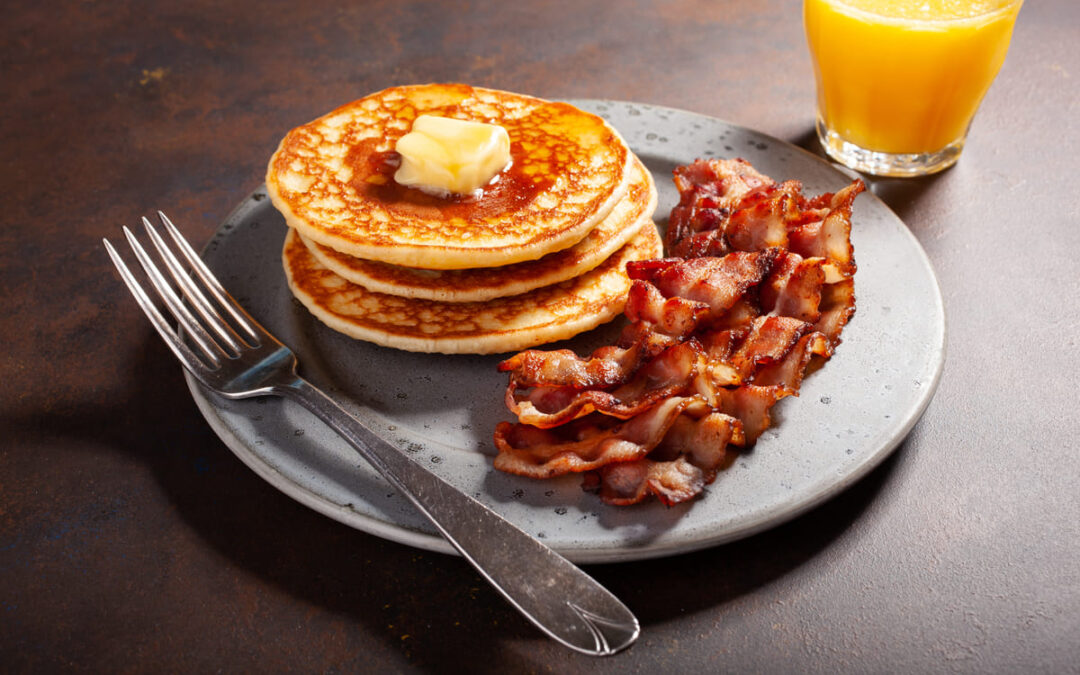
(763, 218)
(708, 243)
(837, 306)
(632, 482)
(787, 372)
(563, 368)
(678, 468)
(669, 374)
(830, 237)
(770, 340)
(673, 316)
(772, 347)
(709, 190)
(585, 444)
(717, 282)
(794, 288)
(750, 405)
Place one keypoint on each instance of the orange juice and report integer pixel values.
(905, 76)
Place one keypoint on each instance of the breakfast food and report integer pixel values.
(628, 218)
(447, 218)
(764, 284)
(500, 325)
(332, 180)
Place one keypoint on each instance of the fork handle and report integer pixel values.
(558, 597)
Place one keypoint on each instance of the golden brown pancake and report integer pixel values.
(332, 179)
(504, 324)
(475, 285)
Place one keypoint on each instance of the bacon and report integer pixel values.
(584, 444)
(709, 190)
(787, 372)
(671, 316)
(749, 404)
(770, 340)
(720, 347)
(607, 366)
(763, 218)
(730, 179)
(830, 237)
(669, 374)
(837, 306)
(717, 282)
(745, 375)
(758, 286)
(710, 243)
(773, 350)
(729, 214)
(794, 288)
(678, 468)
(629, 483)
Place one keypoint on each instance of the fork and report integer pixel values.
(232, 354)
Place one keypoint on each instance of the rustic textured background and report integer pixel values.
(131, 539)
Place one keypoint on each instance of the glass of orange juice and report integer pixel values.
(899, 81)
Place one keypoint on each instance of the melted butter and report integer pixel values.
(444, 156)
(507, 192)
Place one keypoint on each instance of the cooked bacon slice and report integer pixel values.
(787, 372)
(794, 288)
(678, 468)
(719, 369)
(773, 352)
(750, 405)
(763, 218)
(585, 444)
(606, 367)
(830, 237)
(629, 483)
(837, 306)
(770, 340)
(671, 316)
(669, 374)
(729, 178)
(709, 190)
(709, 243)
(718, 282)
(772, 347)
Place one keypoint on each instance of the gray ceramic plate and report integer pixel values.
(442, 409)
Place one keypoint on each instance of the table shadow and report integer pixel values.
(433, 608)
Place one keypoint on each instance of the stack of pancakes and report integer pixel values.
(537, 255)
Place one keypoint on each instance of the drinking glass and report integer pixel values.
(899, 81)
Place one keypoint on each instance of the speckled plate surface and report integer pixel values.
(442, 409)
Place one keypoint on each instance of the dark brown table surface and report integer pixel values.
(131, 539)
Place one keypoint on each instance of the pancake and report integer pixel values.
(505, 324)
(475, 285)
(332, 180)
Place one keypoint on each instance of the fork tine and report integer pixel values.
(188, 322)
(202, 306)
(242, 318)
(181, 350)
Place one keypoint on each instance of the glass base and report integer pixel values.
(886, 163)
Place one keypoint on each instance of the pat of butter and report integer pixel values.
(442, 156)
